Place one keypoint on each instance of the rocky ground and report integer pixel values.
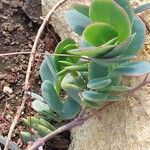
(19, 23)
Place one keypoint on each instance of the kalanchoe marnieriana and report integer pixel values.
(89, 75)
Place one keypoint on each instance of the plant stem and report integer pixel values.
(76, 122)
(138, 87)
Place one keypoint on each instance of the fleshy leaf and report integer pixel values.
(141, 8)
(43, 131)
(99, 33)
(72, 91)
(121, 48)
(27, 137)
(108, 11)
(85, 44)
(47, 69)
(62, 48)
(96, 70)
(118, 59)
(39, 106)
(70, 109)
(94, 105)
(36, 96)
(92, 52)
(127, 7)
(99, 83)
(40, 121)
(83, 9)
(51, 97)
(113, 98)
(133, 69)
(117, 88)
(138, 42)
(76, 20)
(94, 96)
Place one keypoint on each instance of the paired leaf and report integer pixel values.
(121, 48)
(27, 137)
(39, 106)
(43, 131)
(99, 33)
(117, 88)
(97, 70)
(99, 83)
(72, 91)
(92, 51)
(36, 96)
(133, 69)
(138, 42)
(70, 109)
(107, 11)
(94, 96)
(118, 59)
(76, 20)
(40, 121)
(127, 7)
(62, 48)
(51, 97)
(113, 98)
(47, 69)
(94, 105)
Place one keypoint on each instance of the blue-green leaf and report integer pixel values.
(83, 9)
(85, 44)
(133, 69)
(39, 106)
(50, 96)
(94, 96)
(97, 70)
(138, 42)
(72, 90)
(76, 20)
(141, 8)
(121, 48)
(118, 59)
(36, 96)
(27, 137)
(113, 98)
(70, 109)
(127, 7)
(117, 88)
(47, 69)
(92, 51)
(94, 105)
(99, 83)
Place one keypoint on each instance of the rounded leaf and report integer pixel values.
(94, 96)
(99, 33)
(108, 11)
(51, 97)
(99, 83)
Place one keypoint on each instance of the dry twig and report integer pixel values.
(31, 60)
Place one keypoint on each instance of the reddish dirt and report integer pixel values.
(18, 28)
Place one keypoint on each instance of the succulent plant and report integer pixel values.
(90, 74)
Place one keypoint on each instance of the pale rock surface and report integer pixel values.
(122, 125)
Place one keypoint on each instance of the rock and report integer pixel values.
(7, 90)
(122, 125)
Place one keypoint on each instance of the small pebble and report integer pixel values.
(7, 90)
